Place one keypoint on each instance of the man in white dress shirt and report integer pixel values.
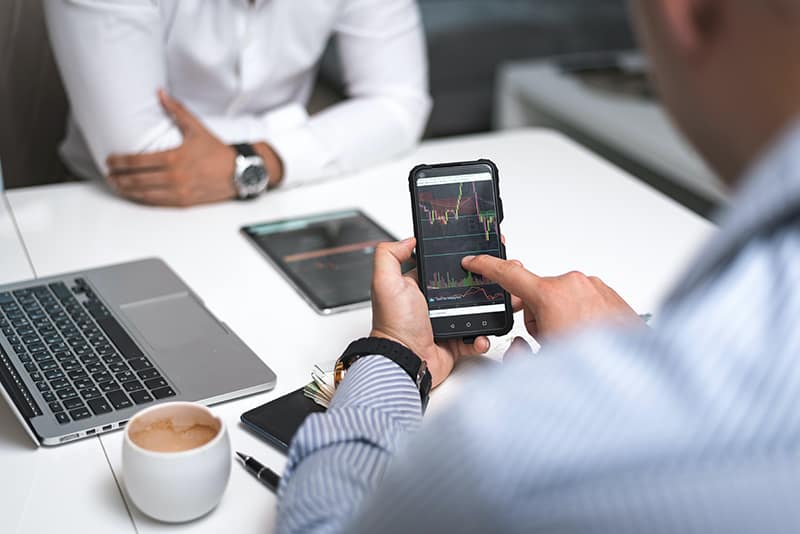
(162, 90)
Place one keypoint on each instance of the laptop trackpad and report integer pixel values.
(172, 321)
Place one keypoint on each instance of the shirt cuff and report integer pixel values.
(303, 156)
(379, 383)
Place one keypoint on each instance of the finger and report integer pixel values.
(153, 197)
(519, 349)
(141, 180)
(152, 161)
(517, 304)
(412, 275)
(512, 276)
(184, 118)
(390, 256)
(457, 347)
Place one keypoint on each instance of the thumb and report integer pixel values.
(183, 118)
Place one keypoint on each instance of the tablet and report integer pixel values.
(327, 258)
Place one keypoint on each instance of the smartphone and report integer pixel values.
(457, 212)
(278, 421)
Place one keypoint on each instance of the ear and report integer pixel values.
(691, 23)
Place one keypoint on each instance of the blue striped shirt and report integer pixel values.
(691, 427)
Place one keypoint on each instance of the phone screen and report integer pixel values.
(457, 215)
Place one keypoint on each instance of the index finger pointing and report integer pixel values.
(511, 275)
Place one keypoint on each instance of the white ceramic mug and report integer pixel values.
(177, 486)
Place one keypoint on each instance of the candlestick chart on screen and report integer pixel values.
(457, 220)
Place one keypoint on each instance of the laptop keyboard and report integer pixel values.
(80, 358)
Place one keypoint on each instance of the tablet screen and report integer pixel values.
(327, 258)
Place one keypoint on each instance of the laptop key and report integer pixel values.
(141, 396)
(117, 367)
(95, 367)
(66, 393)
(73, 404)
(133, 385)
(139, 363)
(60, 290)
(42, 386)
(6, 298)
(79, 414)
(155, 383)
(84, 383)
(77, 374)
(55, 406)
(40, 355)
(101, 376)
(54, 374)
(59, 383)
(91, 393)
(99, 405)
(36, 377)
(147, 374)
(163, 393)
(24, 357)
(62, 418)
(118, 399)
(19, 348)
(30, 367)
(48, 365)
(105, 387)
(70, 365)
(48, 396)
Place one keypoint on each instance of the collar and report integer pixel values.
(767, 200)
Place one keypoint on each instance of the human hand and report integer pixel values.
(400, 313)
(558, 304)
(197, 172)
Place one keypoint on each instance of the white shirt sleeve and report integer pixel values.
(382, 51)
(112, 91)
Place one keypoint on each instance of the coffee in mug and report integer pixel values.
(168, 435)
(176, 461)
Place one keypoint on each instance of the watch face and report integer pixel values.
(253, 176)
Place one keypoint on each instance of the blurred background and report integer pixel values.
(494, 65)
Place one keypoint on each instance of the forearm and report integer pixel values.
(339, 457)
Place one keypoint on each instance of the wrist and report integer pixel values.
(272, 162)
(385, 335)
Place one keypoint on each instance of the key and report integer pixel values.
(62, 418)
(79, 414)
(163, 393)
(141, 396)
(99, 405)
(155, 383)
(73, 404)
(118, 400)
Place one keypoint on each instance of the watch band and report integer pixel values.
(412, 364)
(245, 149)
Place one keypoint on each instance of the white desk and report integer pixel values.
(565, 209)
(67, 489)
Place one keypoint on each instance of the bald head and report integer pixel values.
(728, 70)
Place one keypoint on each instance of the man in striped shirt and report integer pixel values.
(693, 426)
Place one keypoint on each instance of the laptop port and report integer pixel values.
(123, 423)
(107, 427)
(68, 438)
(91, 431)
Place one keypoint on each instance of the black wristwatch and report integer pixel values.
(412, 364)
(250, 177)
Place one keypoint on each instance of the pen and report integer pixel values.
(267, 476)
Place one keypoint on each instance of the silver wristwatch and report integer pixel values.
(251, 176)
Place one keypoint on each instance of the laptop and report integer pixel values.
(81, 353)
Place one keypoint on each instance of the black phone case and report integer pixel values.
(277, 421)
(500, 216)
